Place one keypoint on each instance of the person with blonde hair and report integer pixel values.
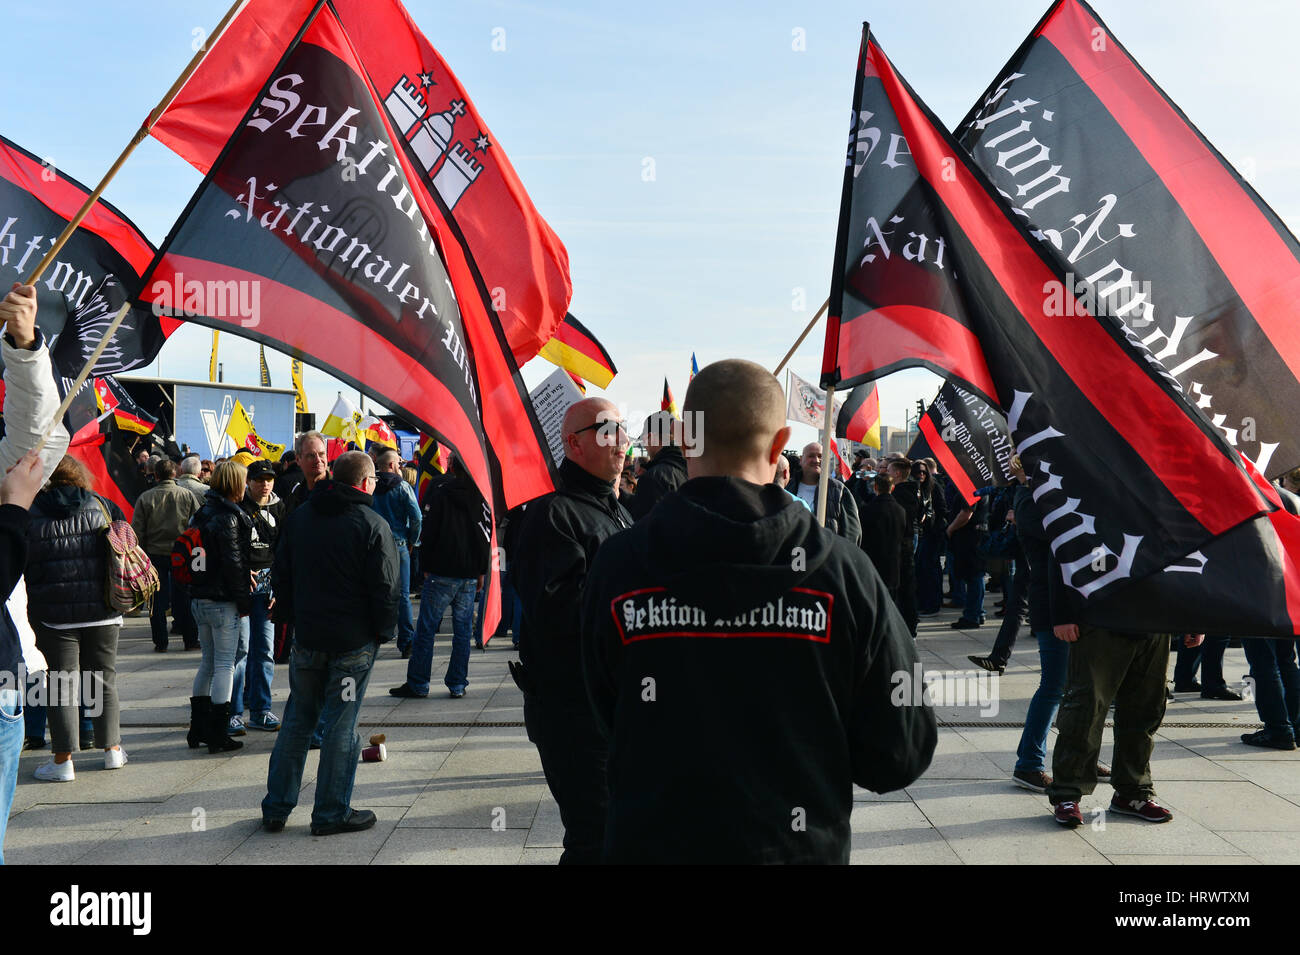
(222, 593)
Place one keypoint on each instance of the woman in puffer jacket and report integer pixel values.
(67, 570)
(222, 593)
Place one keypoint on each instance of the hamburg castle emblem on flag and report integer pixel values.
(432, 140)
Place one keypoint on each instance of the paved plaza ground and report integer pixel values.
(457, 766)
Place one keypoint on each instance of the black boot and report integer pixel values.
(219, 740)
(200, 710)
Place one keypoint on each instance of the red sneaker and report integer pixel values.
(1147, 809)
(1068, 815)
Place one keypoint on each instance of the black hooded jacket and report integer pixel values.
(746, 666)
(558, 538)
(665, 473)
(456, 537)
(335, 572)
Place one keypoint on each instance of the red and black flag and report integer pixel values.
(578, 352)
(933, 268)
(96, 271)
(1151, 224)
(968, 439)
(103, 450)
(314, 213)
(859, 417)
(466, 183)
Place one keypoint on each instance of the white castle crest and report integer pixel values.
(433, 140)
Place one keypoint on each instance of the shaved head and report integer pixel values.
(739, 410)
(595, 438)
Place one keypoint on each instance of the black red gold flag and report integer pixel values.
(577, 351)
(858, 419)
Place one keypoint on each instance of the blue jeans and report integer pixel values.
(11, 748)
(438, 592)
(327, 688)
(255, 665)
(512, 609)
(1277, 683)
(1054, 659)
(405, 629)
(974, 604)
(218, 624)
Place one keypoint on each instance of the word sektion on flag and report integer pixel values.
(577, 351)
(968, 439)
(96, 272)
(1150, 223)
(241, 430)
(933, 268)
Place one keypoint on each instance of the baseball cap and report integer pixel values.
(260, 468)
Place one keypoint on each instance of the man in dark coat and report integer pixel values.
(743, 660)
(666, 471)
(884, 533)
(335, 579)
(560, 536)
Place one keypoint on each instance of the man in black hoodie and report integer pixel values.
(666, 471)
(560, 536)
(335, 580)
(457, 530)
(747, 665)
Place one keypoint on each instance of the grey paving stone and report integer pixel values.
(172, 839)
(81, 816)
(453, 847)
(1264, 847)
(1115, 835)
(1184, 860)
(475, 802)
(43, 846)
(295, 845)
(1278, 776)
(1233, 806)
(547, 856)
(398, 781)
(547, 831)
(906, 847)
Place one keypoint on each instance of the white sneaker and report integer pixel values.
(53, 772)
(114, 758)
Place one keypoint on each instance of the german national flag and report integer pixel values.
(859, 416)
(667, 403)
(576, 350)
(111, 396)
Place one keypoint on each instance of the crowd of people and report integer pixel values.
(706, 672)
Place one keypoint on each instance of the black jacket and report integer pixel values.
(745, 692)
(456, 537)
(908, 496)
(13, 557)
(287, 481)
(665, 473)
(558, 538)
(67, 556)
(1038, 557)
(227, 534)
(266, 519)
(884, 530)
(335, 572)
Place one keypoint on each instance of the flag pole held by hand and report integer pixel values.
(91, 199)
(136, 140)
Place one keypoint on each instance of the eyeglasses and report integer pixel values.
(621, 426)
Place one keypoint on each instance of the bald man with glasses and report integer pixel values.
(559, 538)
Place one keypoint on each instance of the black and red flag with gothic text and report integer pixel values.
(1151, 223)
(968, 439)
(96, 271)
(932, 268)
(310, 234)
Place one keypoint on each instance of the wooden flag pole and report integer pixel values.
(823, 481)
(136, 140)
(793, 348)
(91, 199)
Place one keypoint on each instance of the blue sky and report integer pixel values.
(727, 250)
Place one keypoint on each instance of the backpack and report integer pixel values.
(184, 550)
(132, 580)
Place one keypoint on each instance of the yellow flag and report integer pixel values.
(247, 439)
(300, 394)
(212, 360)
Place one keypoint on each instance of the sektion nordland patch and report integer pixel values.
(651, 613)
